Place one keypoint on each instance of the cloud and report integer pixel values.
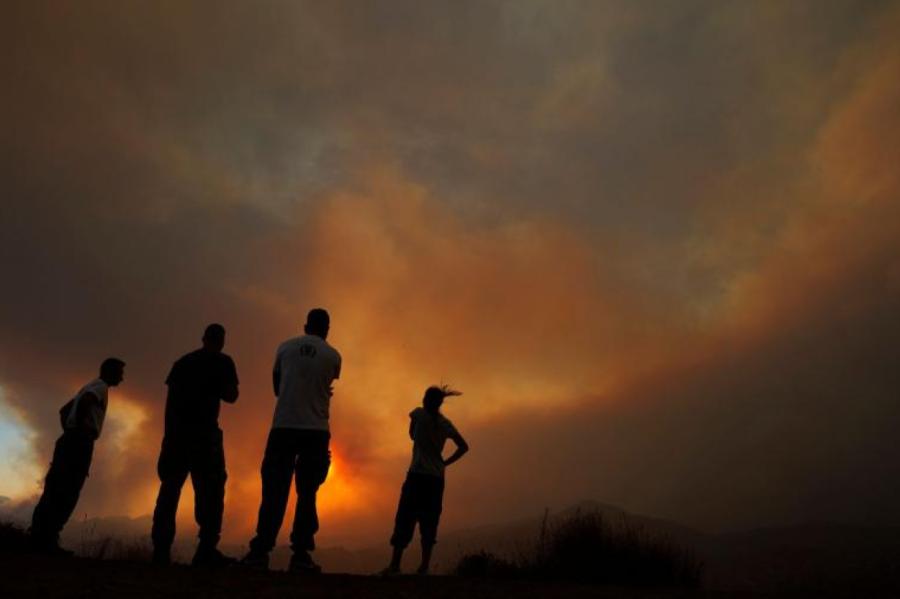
(654, 246)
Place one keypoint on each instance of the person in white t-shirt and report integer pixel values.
(421, 498)
(82, 421)
(302, 377)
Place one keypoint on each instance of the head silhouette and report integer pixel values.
(214, 338)
(317, 323)
(434, 397)
(112, 371)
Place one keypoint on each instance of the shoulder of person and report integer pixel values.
(446, 423)
(93, 392)
(417, 412)
(98, 385)
(281, 349)
(89, 396)
(186, 359)
(288, 343)
(334, 352)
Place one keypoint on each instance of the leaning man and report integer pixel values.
(82, 421)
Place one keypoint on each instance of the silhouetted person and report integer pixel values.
(192, 444)
(82, 421)
(297, 449)
(421, 498)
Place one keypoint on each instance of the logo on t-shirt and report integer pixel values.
(308, 351)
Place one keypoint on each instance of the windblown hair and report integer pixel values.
(434, 396)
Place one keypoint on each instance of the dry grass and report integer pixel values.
(586, 548)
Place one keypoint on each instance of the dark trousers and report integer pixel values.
(204, 459)
(301, 455)
(421, 500)
(62, 486)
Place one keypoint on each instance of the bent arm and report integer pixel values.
(230, 394)
(83, 419)
(230, 382)
(461, 448)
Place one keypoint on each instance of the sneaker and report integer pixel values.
(49, 548)
(389, 572)
(256, 559)
(303, 563)
(55, 551)
(211, 558)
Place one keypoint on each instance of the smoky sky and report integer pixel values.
(654, 243)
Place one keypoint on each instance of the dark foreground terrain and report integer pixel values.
(43, 578)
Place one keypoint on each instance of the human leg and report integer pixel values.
(68, 470)
(277, 471)
(430, 507)
(312, 466)
(404, 525)
(172, 468)
(208, 476)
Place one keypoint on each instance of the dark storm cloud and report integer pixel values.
(637, 186)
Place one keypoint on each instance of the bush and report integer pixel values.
(110, 548)
(95, 546)
(586, 548)
(484, 565)
(12, 538)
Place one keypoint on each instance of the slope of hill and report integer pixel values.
(814, 557)
(811, 556)
(23, 575)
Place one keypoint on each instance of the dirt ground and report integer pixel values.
(44, 578)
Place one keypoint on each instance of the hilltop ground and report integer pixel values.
(46, 578)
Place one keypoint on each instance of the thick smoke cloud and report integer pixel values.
(655, 245)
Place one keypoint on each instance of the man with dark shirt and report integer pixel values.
(192, 445)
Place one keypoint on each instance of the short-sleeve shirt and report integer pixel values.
(197, 383)
(430, 432)
(96, 412)
(307, 365)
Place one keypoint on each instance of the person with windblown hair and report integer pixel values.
(421, 497)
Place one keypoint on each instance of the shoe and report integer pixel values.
(161, 557)
(211, 558)
(302, 563)
(49, 548)
(256, 559)
(389, 572)
(55, 551)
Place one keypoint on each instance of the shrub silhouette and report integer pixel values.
(485, 565)
(12, 538)
(587, 548)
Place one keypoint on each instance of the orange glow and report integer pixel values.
(341, 493)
